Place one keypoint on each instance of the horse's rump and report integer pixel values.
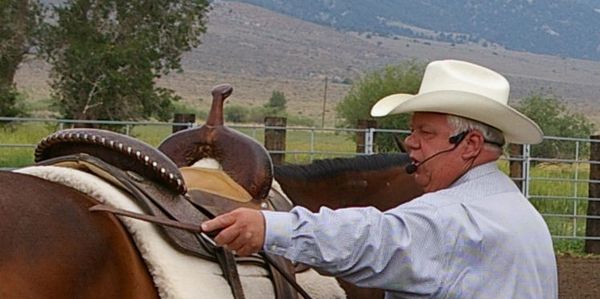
(51, 245)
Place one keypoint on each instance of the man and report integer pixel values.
(471, 235)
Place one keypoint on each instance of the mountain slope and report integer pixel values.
(259, 51)
(561, 27)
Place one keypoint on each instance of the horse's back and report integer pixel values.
(53, 247)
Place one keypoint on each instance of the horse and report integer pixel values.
(53, 246)
(378, 180)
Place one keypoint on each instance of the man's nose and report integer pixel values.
(410, 142)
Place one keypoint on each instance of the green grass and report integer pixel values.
(322, 144)
(28, 135)
(549, 197)
(558, 201)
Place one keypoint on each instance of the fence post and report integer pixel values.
(189, 118)
(275, 138)
(592, 227)
(515, 151)
(363, 125)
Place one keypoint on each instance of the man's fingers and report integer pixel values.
(218, 222)
(240, 241)
(241, 230)
(245, 245)
(226, 236)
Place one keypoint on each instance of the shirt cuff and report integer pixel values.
(278, 231)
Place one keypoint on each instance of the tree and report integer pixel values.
(555, 119)
(277, 102)
(107, 54)
(20, 22)
(236, 113)
(364, 93)
(11, 104)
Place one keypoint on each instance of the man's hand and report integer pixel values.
(242, 230)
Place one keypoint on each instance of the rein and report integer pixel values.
(194, 228)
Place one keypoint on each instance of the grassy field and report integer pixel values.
(558, 191)
(302, 145)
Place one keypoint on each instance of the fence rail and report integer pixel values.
(566, 189)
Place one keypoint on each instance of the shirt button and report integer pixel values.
(313, 260)
(273, 247)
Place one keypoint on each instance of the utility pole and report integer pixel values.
(324, 103)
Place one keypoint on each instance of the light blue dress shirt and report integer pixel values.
(479, 238)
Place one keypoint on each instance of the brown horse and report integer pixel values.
(376, 180)
(52, 247)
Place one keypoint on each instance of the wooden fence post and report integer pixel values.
(592, 227)
(516, 167)
(275, 138)
(363, 124)
(183, 118)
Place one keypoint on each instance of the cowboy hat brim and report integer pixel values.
(516, 127)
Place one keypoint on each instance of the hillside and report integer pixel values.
(561, 27)
(259, 51)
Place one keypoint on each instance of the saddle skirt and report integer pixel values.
(175, 274)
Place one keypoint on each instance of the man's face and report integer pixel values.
(429, 135)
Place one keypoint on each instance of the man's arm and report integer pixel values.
(394, 250)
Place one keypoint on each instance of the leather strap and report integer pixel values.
(229, 268)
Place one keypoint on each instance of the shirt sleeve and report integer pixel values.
(398, 250)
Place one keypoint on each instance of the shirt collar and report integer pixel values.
(476, 172)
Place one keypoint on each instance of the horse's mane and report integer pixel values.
(327, 168)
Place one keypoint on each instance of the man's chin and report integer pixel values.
(421, 179)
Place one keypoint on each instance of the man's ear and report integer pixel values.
(473, 144)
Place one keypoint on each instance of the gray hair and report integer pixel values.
(493, 136)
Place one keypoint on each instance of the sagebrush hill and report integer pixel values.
(259, 51)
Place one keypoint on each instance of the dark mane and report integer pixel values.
(325, 168)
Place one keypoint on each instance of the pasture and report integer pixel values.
(558, 190)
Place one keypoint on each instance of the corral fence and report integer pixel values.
(565, 190)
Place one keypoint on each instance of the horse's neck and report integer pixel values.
(382, 189)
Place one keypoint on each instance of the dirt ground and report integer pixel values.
(579, 277)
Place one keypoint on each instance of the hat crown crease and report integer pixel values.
(459, 76)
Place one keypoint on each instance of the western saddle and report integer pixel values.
(163, 184)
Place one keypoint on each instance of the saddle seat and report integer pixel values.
(214, 181)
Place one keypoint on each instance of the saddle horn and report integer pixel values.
(220, 93)
(246, 161)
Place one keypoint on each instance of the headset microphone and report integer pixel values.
(411, 168)
(456, 139)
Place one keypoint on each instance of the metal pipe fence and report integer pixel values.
(557, 186)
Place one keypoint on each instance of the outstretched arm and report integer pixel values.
(392, 250)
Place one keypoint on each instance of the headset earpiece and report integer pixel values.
(456, 139)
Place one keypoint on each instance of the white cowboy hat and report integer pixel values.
(468, 90)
